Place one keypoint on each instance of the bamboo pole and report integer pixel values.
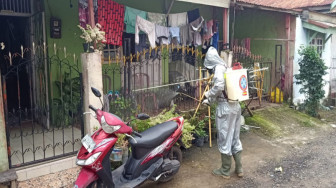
(200, 82)
(209, 114)
(205, 90)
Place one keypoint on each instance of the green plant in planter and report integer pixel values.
(66, 107)
(201, 132)
(123, 107)
(188, 129)
(312, 70)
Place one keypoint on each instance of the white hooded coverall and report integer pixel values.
(227, 112)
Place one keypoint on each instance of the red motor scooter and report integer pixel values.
(153, 154)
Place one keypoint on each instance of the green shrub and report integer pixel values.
(312, 70)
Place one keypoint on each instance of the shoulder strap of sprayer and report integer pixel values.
(225, 95)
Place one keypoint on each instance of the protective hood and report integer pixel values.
(212, 59)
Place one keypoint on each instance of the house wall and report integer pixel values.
(327, 57)
(70, 32)
(70, 39)
(302, 37)
(266, 29)
(261, 26)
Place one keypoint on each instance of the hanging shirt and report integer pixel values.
(215, 38)
(157, 18)
(83, 13)
(174, 33)
(184, 35)
(193, 15)
(147, 27)
(111, 18)
(176, 20)
(130, 18)
(209, 32)
(162, 34)
(142, 43)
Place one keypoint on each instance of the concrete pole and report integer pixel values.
(3, 141)
(92, 77)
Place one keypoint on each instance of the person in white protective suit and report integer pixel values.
(228, 115)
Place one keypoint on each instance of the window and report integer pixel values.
(318, 44)
(112, 54)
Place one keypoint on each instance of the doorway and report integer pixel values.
(15, 75)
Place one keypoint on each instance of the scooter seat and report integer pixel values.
(154, 136)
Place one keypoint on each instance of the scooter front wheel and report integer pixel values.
(97, 184)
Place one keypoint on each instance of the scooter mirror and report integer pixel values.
(142, 116)
(96, 92)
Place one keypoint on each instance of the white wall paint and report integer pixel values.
(326, 56)
(300, 39)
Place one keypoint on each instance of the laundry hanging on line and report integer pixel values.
(111, 18)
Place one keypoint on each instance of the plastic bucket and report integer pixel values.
(116, 154)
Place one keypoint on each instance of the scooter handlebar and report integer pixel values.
(137, 134)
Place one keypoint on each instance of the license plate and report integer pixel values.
(88, 143)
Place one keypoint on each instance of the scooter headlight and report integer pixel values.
(108, 128)
(88, 161)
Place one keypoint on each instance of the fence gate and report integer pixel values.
(42, 95)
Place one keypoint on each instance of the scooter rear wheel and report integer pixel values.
(175, 154)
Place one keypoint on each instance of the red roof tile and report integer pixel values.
(287, 4)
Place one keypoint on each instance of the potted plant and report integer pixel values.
(200, 134)
(94, 38)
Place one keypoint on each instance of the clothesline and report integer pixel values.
(186, 28)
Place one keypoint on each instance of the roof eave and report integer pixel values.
(289, 11)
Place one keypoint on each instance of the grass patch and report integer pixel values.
(277, 121)
(266, 127)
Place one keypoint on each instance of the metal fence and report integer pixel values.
(159, 78)
(43, 107)
(154, 80)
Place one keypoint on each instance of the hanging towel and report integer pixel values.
(193, 15)
(130, 18)
(194, 31)
(174, 33)
(176, 20)
(209, 32)
(111, 18)
(157, 18)
(162, 34)
(147, 27)
(184, 35)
